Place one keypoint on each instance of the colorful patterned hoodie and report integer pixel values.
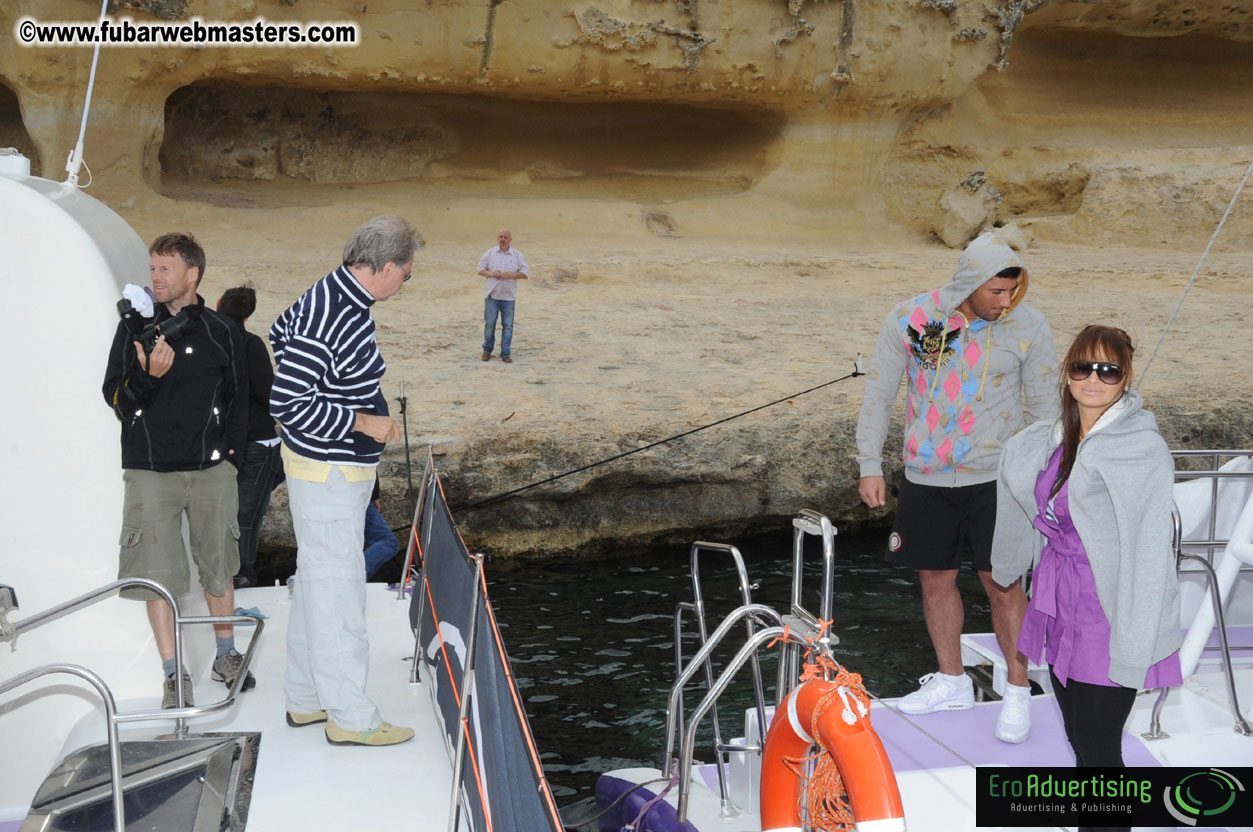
(965, 380)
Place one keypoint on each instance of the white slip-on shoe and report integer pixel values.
(939, 692)
(1014, 723)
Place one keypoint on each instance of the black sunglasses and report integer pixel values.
(1106, 372)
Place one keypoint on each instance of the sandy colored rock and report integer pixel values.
(1014, 237)
(965, 210)
(742, 188)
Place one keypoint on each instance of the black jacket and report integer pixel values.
(260, 379)
(194, 416)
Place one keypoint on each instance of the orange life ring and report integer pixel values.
(845, 731)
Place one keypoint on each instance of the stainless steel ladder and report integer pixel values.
(180, 713)
(799, 630)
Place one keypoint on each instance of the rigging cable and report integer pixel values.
(1195, 272)
(857, 371)
(75, 160)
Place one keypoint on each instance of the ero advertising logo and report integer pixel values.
(1139, 796)
(1208, 795)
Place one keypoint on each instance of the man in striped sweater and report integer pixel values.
(327, 398)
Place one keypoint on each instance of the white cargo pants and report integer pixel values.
(328, 651)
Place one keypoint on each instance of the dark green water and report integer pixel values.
(592, 643)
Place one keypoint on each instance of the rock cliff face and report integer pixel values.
(752, 135)
(886, 103)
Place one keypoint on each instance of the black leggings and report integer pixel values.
(1094, 716)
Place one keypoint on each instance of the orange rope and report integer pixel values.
(786, 632)
(545, 789)
(443, 648)
(478, 777)
(824, 794)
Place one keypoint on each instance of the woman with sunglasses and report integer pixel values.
(1087, 501)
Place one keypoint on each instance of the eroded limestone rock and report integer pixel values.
(965, 209)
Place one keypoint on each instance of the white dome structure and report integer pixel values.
(65, 259)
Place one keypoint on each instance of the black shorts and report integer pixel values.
(932, 522)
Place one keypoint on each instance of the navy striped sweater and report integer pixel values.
(329, 367)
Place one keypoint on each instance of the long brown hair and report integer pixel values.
(1094, 343)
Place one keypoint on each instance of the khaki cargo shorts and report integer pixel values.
(152, 529)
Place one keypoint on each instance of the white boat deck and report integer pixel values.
(302, 781)
(934, 755)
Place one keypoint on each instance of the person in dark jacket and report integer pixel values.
(262, 467)
(183, 407)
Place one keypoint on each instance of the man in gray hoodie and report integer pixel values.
(969, 353)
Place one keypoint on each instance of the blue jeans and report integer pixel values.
(492, 308)
(260, 474)
(380, 544)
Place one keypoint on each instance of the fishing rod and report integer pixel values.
(857, 371)
(404, 423)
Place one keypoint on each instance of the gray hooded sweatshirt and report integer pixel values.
(1120, 493)
(965, 380)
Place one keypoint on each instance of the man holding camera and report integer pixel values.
(179, 387)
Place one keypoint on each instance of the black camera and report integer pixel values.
(146, 332)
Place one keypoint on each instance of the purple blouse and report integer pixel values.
(1064, 619)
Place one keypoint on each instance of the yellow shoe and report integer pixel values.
(384, 734)
(301, 720)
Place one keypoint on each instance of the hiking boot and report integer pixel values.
(1014, 723)
(507, 359)
(226, 667)
(487, 356)
(384, 734)
(168, 696)
(301, 720)
(939, 693)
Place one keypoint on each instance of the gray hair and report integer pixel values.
(384, 239)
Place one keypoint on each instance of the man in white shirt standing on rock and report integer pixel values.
(503, 266)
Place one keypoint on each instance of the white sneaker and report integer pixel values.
(939, 692)
(1014, 723)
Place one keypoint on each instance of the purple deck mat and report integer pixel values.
(1239, 637)
(972, 733)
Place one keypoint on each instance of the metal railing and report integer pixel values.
(816, 626)
(180, 713)
(421, 523)
(1241, 726)
(675, 723)
(697, 608)
(804, 630)
(1211, 544)
(749, 650)
(416, 525)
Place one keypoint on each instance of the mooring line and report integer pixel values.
(498, 497)
(1196, 271)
